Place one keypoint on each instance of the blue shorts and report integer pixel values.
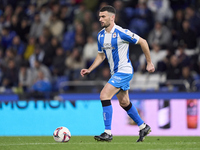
(121, 80)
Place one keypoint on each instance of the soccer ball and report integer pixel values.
(61, 134)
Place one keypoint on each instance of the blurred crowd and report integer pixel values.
(47, 42)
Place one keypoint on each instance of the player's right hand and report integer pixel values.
(84, 72)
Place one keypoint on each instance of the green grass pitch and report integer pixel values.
(88, 143)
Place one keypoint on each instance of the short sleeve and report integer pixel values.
(99, 45)
(129, 36)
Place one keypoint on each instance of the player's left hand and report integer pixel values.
(150, 67)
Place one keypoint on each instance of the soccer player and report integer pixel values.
(113, 44)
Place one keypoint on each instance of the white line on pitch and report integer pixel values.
(83, 143)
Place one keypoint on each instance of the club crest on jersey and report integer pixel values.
(114, 35)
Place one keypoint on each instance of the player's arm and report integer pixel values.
(98, 60)
(145, 48)
(130, 37)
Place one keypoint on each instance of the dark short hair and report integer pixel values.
(108, 8)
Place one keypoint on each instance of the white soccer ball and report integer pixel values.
(61, 134)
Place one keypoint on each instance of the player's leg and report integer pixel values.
(125, 103)
(106, 94)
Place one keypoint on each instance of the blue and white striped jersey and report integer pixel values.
(115, 45)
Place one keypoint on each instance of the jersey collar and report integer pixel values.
(112, 30)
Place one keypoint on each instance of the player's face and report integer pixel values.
(105, 19)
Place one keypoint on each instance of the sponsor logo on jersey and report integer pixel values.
(107, 46)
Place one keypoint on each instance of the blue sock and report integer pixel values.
(133, 113)
(107, 113)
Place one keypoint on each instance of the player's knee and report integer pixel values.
(124, 102)
(103, 96)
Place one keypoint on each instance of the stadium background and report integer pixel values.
(45, 43)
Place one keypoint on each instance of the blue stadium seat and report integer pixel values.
(164, 89)
(58, 81)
